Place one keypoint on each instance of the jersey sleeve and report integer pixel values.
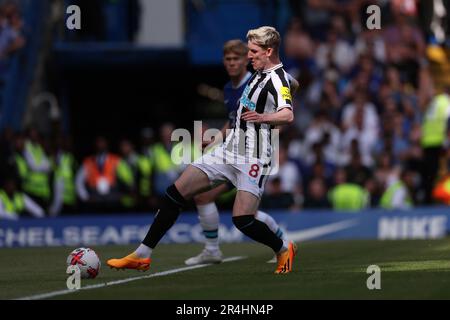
(293, 84)
(283, 97)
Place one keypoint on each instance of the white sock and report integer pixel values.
(284, 247)
(143, 251)
(208, 215)
(271, 223)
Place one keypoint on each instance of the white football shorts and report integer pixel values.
(246, 174)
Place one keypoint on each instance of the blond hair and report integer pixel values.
(265, 37)
(235, 46)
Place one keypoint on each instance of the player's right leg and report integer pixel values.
(191, 182)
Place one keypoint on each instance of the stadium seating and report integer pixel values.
(20, 70)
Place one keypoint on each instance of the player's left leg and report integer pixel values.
(244, 211)
(273, 225)
(208, 215)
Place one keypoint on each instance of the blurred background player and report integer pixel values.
(235, 60)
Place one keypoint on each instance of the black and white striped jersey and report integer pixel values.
(267, 91)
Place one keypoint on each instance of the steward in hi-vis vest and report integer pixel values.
(36, 182)
(348, 197)
(103, 179)
(396, 195)
(14, 203)
(434, 134)
(64, 191)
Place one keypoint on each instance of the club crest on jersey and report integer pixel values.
(246, 102)
(286, 93)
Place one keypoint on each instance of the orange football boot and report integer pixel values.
(131, 261)
(286, 259)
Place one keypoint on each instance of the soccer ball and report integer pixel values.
(87, 260)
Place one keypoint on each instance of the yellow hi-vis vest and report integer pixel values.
(348, 197)
(435, 122)
(145, 168)
(388, 195)
(165, 161)
(183, 153)
(162, 159)
(125, 175)
(22, 168)
(37, 183)
(13, 206)
(64, 170)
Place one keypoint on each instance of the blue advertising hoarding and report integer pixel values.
(424, 223)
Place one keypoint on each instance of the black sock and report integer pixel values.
(258, 231)
(171, 208)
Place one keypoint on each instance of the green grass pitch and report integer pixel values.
(418, 269)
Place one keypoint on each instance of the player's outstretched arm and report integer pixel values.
(282, 117)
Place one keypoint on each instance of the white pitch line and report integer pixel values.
(116, 282)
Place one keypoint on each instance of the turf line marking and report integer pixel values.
(116, 282)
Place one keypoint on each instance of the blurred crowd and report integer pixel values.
(11, 31)
(371, 127)
(49, 179)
